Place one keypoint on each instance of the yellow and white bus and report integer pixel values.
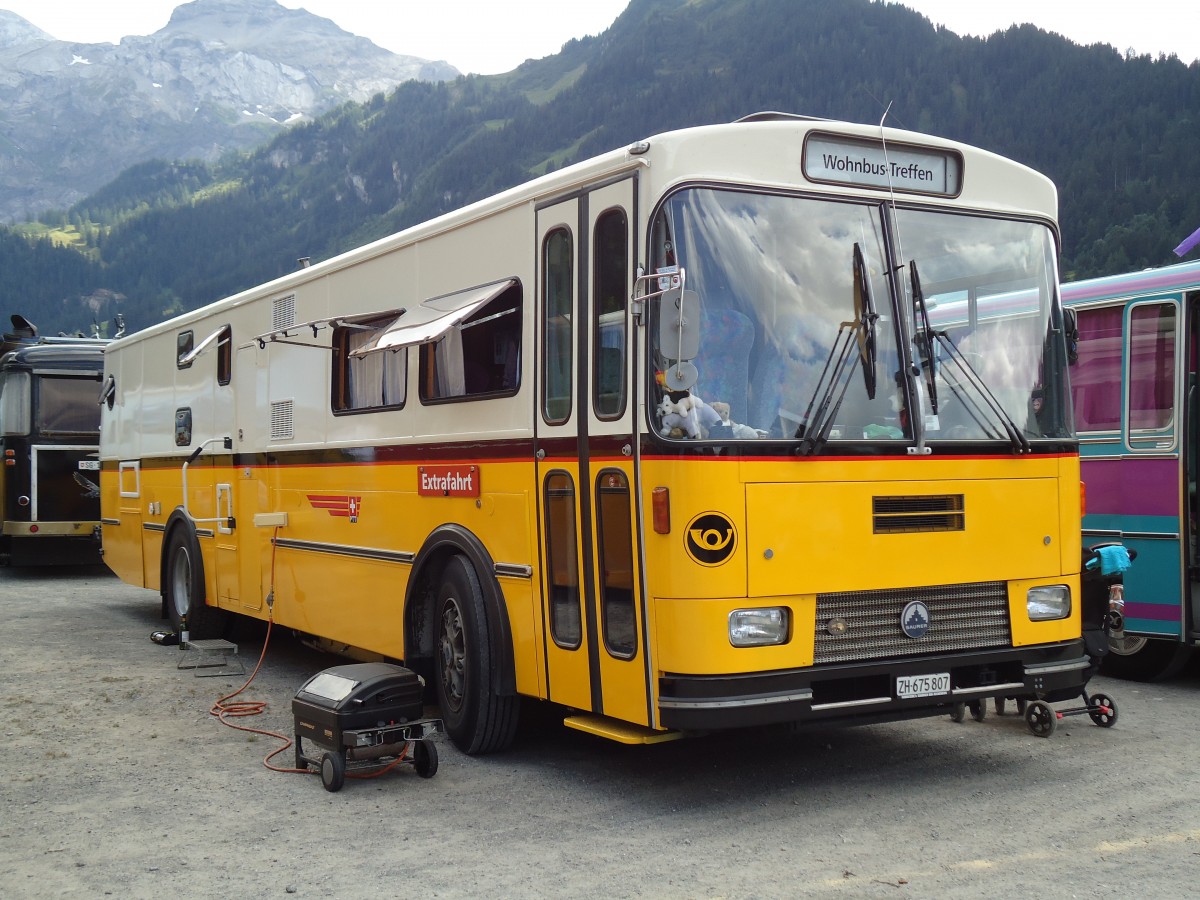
(741, 424)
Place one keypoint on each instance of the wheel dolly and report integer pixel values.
(1102, 587)
(364, 713)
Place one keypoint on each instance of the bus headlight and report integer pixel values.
(758, 627)
(1050, 601)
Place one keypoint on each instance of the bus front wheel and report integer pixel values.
(184, 589)
(476, 718)
(1144, 659)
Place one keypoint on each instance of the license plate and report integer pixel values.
(908, 686)
(89, 465)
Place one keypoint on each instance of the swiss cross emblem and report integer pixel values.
(337, 505)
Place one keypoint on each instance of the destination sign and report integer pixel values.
(866, 164)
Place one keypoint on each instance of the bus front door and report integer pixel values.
(593, 613)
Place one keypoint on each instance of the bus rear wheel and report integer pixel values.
(1144, 659)
(476, 718)
(184, 589)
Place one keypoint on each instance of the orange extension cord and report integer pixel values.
(224, 710)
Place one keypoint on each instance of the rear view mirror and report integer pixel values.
(679, 336)
(1071, 326)
(679, 324)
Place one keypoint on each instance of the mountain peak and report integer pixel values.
(15, 31)
(247, 23)
(221, 75)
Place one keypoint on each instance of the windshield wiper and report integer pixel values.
(926, 339)
(831, 386)
(1016, 436)
(924, 336)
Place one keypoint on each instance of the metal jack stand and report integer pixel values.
(210, 657)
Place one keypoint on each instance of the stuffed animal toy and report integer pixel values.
(732, 429)
(689, 413)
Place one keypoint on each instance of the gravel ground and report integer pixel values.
(120, 783)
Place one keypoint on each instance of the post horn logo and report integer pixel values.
(710, 539)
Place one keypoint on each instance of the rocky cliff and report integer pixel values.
(222, 75)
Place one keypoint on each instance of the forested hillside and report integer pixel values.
(1115, 133)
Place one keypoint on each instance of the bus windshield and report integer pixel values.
(803, 335)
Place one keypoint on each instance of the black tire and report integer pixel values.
(1041, 718)
(425, 758)
(333, 771)
(183, 588)
(1144, 659)
(1000, 703)
(978, 710)
(958, 712)
(1103, 710)
(477, 719)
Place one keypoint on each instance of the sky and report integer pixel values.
(487, 37)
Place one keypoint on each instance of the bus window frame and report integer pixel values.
(339, 381)
(610, 319)
(560, 314)
(484, 314)
(1164, 438)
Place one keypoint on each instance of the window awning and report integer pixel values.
(430, 319)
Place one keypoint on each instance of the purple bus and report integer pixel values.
(1134, 392)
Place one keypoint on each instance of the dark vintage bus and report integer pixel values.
(49, 437)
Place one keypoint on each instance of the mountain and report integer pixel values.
(222, 75)
(1115, 132)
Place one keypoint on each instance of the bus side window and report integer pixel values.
(1098, 368)
(373, 381)
(611, 274)
(562, 570)
(184, 342)
(480, 357)
(613, 515)
(558, 300)
(225, 356)
(1151, 391)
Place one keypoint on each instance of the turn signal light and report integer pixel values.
(1083, 498)
(661, 510)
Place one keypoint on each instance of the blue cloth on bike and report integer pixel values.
(1111, 560)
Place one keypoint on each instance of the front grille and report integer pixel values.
(961, 617)
(899, 515)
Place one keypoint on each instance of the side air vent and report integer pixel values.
(283, 312)
(281, 420)
(900, 515)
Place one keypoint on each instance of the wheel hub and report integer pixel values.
(452, 645)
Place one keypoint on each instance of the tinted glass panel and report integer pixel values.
(1097, 373)
(225, 356)
(558, 293)
(614, 515)
(1151, 372)
(562, 570)
(67, 405)
(611, 290)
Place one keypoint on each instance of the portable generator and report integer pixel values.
(366, 713)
